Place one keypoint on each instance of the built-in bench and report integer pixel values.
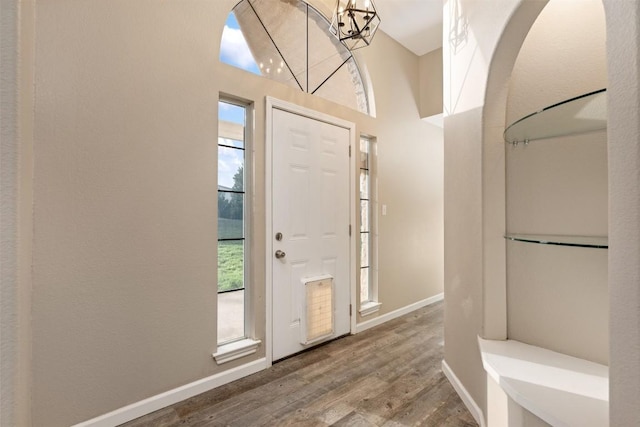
(561, 390)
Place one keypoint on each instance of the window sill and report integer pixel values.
(235, 350)
(369, 307)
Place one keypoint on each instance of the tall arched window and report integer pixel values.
(289, 41)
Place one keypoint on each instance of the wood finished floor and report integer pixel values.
(389, 375)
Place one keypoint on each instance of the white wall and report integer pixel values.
(123, 302)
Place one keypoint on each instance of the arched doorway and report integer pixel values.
(622, 31)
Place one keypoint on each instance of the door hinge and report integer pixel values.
(349, 151)
(350, 310)
(349, 230)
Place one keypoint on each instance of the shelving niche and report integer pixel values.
(557, 388)
(578, 115)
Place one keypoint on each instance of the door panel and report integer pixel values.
(311, 209)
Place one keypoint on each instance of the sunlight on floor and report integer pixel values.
(230, 315)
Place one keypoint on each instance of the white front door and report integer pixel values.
(310, 223)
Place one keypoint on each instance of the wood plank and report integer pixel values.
(388, 376)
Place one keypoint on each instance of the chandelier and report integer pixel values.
(355, 22)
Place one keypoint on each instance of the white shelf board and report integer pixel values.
(561, 390)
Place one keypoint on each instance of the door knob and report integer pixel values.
(280, 254)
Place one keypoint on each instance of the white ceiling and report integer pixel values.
(416, 24)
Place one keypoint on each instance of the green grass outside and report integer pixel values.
(230, 255)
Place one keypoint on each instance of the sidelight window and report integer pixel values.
(232, 221)
(368, 278)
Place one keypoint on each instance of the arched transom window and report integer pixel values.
(289, 41)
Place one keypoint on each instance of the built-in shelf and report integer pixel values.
(585, 113)
(599, 242)
(561, 390)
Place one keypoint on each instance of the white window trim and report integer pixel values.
(235, 350)
(369, 307)
(372, 305)
(249, 327)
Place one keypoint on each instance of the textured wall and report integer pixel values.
(431, 83)
(16, 117)
(623, 57)
(9, 325)
(563, 56)
(123, 265)
(409, 178)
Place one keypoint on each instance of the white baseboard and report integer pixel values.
(154, 403)
(397, 313)
(468, 401)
